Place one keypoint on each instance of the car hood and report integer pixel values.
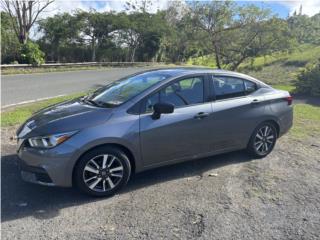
(64, 117)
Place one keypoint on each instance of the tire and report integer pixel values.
(102, 171)
(262, 140)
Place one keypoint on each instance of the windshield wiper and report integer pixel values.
(89, 101)
(98, 103)
(106, 104)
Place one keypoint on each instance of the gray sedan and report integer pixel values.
(148, 120)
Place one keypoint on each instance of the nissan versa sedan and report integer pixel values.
(148, 120)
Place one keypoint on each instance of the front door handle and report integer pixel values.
(201, 115)
(255, 101)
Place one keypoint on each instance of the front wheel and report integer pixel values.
(262, 140)
(102, 171)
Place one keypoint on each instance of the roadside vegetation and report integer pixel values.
(31, 70)
(10, 71)
(287, 71)
(221, 34)
(17, 115)
(306, 121)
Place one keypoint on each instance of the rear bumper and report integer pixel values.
(286, 121)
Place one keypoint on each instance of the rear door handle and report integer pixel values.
(201, 115)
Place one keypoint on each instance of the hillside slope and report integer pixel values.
(279, 68)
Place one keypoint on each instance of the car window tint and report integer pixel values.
(228, 87)
(184, 92)
(151, 101)
(250, 86)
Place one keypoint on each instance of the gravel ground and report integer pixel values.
(225, 197)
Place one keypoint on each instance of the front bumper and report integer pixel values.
(49, 167)
(36, 175)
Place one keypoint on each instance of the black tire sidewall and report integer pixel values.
(251, 148)
(78, 173)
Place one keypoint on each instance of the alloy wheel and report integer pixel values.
(264, 139)
(103, 173)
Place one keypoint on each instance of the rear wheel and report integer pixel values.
(102, 171)
(262, 140)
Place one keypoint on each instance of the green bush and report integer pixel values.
(31, 54)
(308, 79)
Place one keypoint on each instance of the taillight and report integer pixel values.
(289, 100)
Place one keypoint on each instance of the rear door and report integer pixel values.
(237, 109)
(183, 133)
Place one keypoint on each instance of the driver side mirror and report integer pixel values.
(161, 108)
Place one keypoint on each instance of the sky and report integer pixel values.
(281, 8)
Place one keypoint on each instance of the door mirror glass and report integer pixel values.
(162, 108)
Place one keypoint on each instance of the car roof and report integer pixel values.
(181, 71)
(177, 71)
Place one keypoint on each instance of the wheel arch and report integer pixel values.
(275, 123)
(272, 121)
(123, 148)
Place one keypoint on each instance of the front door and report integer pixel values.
(181, 134)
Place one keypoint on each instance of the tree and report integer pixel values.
(23, 14)
(256, 39)
(139, 32)
(305, 29)
(58, 31)
(236, 33)
(181, 39)
(9, 43)
(215, 18)
(95, 27)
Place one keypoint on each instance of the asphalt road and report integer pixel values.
(25, 87)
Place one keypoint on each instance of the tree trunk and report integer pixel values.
(133, 54)
(236, 65)
(216, 53)
(93, 48)
(23, 37)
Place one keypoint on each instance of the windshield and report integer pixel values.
(125, 89)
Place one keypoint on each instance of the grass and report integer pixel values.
(288, 88)
(298, 58)
(19, 114)
(208, 61)
(306, 121)
(69, 68)
(46, 70)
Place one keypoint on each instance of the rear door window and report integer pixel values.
(228, 87)
(250, 86)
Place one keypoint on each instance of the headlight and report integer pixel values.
(50, 141)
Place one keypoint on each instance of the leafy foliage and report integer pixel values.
(31, 54)
(9, 42)
(308, 80)
(220, 34)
